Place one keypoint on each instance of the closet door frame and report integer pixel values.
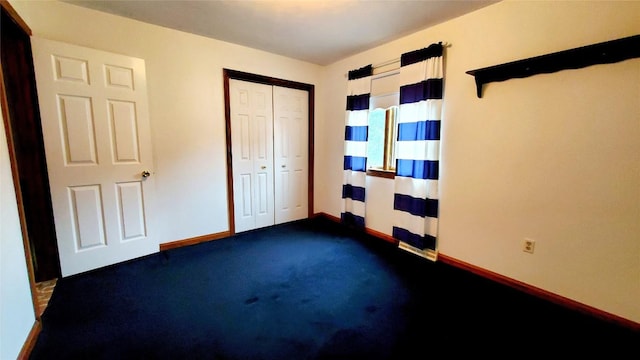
(261, 79)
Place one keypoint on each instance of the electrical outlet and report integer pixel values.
(528, 245)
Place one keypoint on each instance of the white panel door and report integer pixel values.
(291, 156)
(251, 114)
(97, 141)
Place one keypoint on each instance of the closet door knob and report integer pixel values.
(145, 174)
(263, 167)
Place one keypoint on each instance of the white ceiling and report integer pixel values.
(317, 31)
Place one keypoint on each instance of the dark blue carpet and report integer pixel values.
(306, 290)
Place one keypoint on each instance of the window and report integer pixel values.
(383, 125)
(382, 135)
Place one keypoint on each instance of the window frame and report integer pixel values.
(388, 169)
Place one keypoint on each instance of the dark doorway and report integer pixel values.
(26, 148)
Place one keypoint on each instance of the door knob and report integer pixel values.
(284, 166)
(263, 167)
(146, 174)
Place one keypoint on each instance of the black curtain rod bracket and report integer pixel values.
(607, 52)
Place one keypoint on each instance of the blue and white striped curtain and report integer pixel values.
(355, 146)
(418, 148)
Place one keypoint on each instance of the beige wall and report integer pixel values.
(16, 306)
(554, 157)
(186, 103)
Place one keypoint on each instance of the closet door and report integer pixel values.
(251, 107)
(291, 138)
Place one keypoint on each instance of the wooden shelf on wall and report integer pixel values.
(602, 53)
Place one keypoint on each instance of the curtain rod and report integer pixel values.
(386, 63)
(393, 61)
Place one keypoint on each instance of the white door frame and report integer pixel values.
(244, 76)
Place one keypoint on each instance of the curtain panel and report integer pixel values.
(355, 146)
(418, 148)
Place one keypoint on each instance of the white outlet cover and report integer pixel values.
(528, 245)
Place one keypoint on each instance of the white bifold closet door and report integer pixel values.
(269, 145)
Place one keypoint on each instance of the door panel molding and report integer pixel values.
(229, 74)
